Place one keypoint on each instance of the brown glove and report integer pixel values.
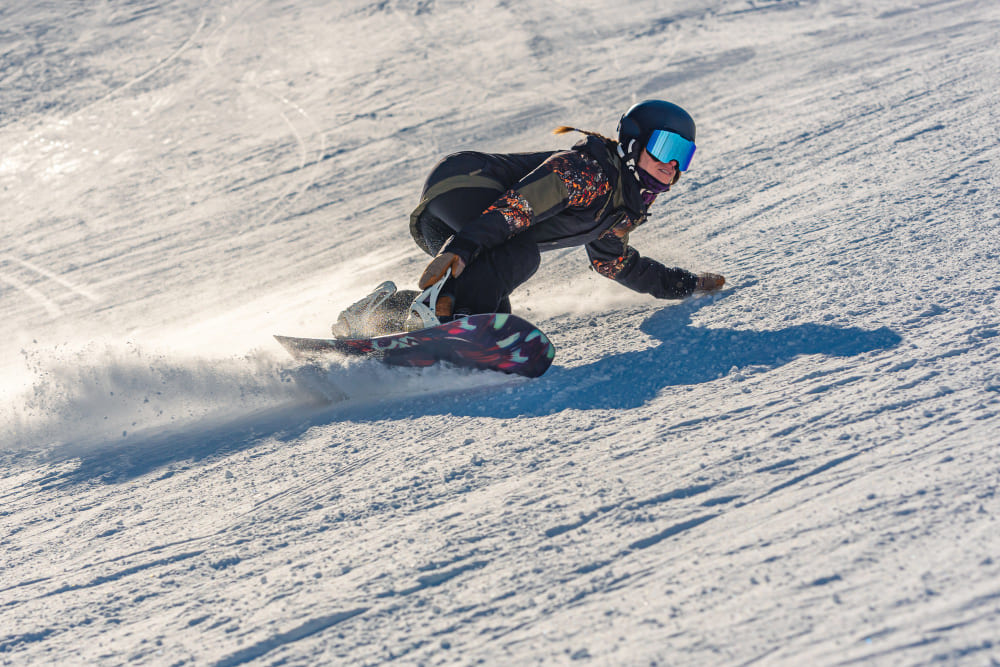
(439, 266)
(709, 281)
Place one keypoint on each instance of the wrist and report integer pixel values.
(465, 250)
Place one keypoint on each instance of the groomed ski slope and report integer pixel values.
(801, 469)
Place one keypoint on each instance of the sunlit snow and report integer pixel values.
(800, 469)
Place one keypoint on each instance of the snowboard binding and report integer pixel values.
(388, 310)
(424, 311)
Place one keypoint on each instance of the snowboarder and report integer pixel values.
(485, 219)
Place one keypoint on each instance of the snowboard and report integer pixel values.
(491, 341)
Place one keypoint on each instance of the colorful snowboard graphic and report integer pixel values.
(492, 341)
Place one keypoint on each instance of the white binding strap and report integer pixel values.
(424, 307)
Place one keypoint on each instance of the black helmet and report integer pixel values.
(639, 122)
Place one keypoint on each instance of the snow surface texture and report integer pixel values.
(802, 469)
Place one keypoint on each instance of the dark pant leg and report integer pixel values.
(486, 283)
(447, 213)
(456, 208)
(451, 210)
(434, 233)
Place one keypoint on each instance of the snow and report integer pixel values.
(801, 468)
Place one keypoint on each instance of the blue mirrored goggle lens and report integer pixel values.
(666, 146)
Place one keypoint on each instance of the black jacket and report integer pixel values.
(561, 199)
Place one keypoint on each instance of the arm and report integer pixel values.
(613, 258)
(567, 179)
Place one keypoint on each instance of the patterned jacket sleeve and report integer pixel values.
(612, 257)
(567, 179)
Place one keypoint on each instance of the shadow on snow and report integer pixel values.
(686, 355)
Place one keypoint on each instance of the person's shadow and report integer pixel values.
(686, 355)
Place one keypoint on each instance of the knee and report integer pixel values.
(433, 232)
(457, 207)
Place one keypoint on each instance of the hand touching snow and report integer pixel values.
(708, 282)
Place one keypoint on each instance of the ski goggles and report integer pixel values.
(665, 146)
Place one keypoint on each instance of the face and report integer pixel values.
(664, 172)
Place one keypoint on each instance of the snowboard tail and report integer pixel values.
(492, 341)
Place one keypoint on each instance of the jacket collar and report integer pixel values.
(624, 181)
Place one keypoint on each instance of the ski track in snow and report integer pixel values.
(801, 468)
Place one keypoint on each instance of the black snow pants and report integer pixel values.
(487, 282)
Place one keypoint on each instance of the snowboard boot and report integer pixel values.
(382, 312)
